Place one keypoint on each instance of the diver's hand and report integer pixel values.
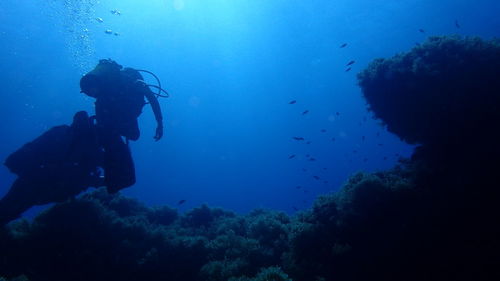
(159, 132)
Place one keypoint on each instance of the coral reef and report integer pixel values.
(19, 278)
(103, 237)
(380, 226)
(266, 274)
(443, 91)
(357, 226)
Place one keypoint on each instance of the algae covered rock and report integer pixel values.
(266, 274)
(443, 91)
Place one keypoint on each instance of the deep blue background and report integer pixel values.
(232, 67)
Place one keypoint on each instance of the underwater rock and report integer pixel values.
(379, 226)
(443, 92)
(19, 278)
(266, 274)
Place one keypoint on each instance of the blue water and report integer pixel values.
(231, 67)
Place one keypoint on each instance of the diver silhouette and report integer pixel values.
(54, 167)
(119, 99)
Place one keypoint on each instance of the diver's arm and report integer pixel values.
(155, 105)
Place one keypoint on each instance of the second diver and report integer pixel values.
(119, 98)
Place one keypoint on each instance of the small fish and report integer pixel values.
(350, 63)
(348, 69)
(337, 113)
(363, 138)
(99, 19)
(421, 30)
(333, 139)
(309, 142)
(108, 31)
(116, 12)
(323, 131)
(291, 156)
(456, 24)
(385, 157)
(312, 159)
(324, 169)
(305, 112)
(343, 45)
(304, 169)
(295, 208)
(316, 177)
(307, 155)
(298, 187)
(380, 144)
(116, 34)
(292, 102)
(181, 202)
(298, 138)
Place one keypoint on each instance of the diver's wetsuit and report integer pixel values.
(54, 167)
(117, 111)
(112, 124)
(119, 95)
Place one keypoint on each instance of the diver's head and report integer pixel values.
(90, 85)
(81, 121)
(102, 78)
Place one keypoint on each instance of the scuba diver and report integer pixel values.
(119, 98)
(54, 167)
